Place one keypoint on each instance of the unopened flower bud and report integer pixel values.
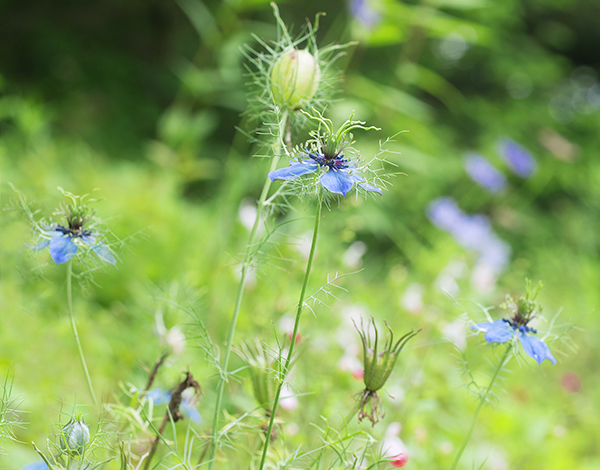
(295, 78)
(75, 436)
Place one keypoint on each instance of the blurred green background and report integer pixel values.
(142, 100)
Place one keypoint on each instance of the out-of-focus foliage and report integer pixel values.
(142, 100)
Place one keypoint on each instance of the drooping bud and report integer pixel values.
(75, 437)
(295, 78)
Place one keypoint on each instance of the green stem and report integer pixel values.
(74, 328)
(299, 309)
(482, 402)
(277, 147)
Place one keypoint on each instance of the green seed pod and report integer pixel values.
(295, 78)
(378, 367)
(75, 437)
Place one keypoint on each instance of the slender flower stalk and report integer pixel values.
(483, 400)
(74, 328)
(262, 203)
(288, 360)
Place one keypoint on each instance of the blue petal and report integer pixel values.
(158, 396)
(496, 332)
(337, 181)
(36, 466)
(104, 254)
(293, 171)
(101, 250)
(190, 411)
(62, 249)
(536, 348)
(369, 187)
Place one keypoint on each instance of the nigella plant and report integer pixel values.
(75, 233)
(508, 330)
(284, 76)
(516, 325)
(329, 161)
(378, 368)
(75, 229)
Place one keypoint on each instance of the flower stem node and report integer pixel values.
(295, 78)
(75, 437)
(378, 368)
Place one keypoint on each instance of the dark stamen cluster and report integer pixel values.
(336, 163)
(74, 232)
(516, 324)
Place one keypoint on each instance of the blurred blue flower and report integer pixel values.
(63, 244)
(187, 406)
(339, 177)
(484, 173)
(518, 158)
(364, 12)
(36, 466)
(444, 212)
(472, 232)
(502, 331)
(189, 410)
(158, 396)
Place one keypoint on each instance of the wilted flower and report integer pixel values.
(75, 436)
(484, 173)
(64, 240)
(378, 367)
(521, 312)
(323, 158)
(519, 159)
(295, 78)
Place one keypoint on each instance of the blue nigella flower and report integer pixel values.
(339, 176)
(484, 173)
(521, 312)
(63, 244)
(64, 240)
(519, 159)
(324, 157)
(501, 331)
(162, 397)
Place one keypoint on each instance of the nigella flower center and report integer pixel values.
(516, 324)
(73, 232)
(336, 163)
